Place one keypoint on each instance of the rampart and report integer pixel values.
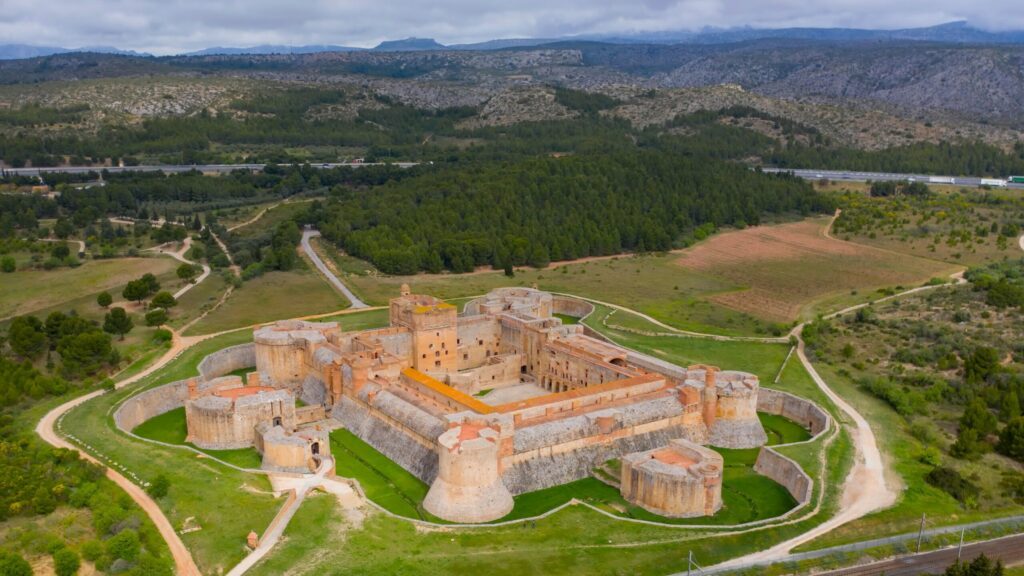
(571, 306)
(150, 404)
(786, 472)
(799, 410)
(226, 361)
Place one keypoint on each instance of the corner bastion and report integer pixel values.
(681, 480)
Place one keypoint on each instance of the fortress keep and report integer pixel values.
(499, 400)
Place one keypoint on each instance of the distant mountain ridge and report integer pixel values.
(959, 32)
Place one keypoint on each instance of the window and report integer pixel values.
(437, 354)
(437, 363)
(465, 356)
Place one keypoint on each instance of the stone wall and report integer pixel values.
(786, 472)
(151, 403)
(227, 360)
(550, 468)
(571, 306)
(799, 410)
(389, 438)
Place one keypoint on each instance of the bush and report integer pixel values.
(66, 562)
(14, 565)
(104, 299)
(162, 335)
(7, 264)
(159, 487)
(951, 482)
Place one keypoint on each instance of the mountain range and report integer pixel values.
(959, 32)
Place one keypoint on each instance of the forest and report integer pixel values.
(548, 209)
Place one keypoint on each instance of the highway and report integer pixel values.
(852, 176)
(172, 168)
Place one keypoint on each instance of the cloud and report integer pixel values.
(164, 27)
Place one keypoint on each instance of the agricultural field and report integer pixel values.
(794, 271)
(740, 282)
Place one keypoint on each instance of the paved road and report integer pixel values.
(306, 235)
(218, 168)
(854, 176)
(1009, 549)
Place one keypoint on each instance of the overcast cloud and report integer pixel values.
(173, 26)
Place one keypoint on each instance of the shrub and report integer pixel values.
(104, 299)
(159, 487)
(164, 300)
(14, 565)
(156, 317)
(951, 482)
(66, 562)
(7, 264)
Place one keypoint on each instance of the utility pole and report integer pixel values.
(960, 548)
(920, 534)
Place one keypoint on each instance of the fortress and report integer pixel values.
(499, 400)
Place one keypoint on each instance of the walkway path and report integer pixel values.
(179, 255)
(302, 487)
(334, 280)
(184, 565)
(81, 243)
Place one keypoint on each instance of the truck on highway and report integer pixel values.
(998, 183)
(941, 180)
(1015, 179)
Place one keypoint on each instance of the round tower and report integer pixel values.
(468, 487)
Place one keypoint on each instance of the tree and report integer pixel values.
(104, 299)
(66, 562)
(84, 354)
(14, 565)
(977, 416)
(156, 317)
(981, 364)
(159, 487)
(980, 566)
(1011, 439)
(124, 545)
(26, 337)
(197, 225)
(187, 272)
(136, 290)
(60, 251)
(117, 321)
(164, 300)
(151, 283)
(7, 264)
(1010, 407)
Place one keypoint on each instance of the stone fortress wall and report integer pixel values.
(568, 401)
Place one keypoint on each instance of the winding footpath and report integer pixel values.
(179, 255)
(183, 562)
(334, 280)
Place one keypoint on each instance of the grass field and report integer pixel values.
(33, 290)
(273, 296)
(225, 503)
(170, 427)
(746, 495)
(737, 282)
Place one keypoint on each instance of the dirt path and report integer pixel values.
(81, 243)
(179, 255)
(183, 562)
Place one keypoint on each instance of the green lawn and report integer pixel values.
(273, 296)
(225, 503)
(746, 495)
(37, 290)
(782, 430)
(170, 427)
(566, 319)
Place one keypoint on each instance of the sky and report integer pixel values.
(174, 26)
